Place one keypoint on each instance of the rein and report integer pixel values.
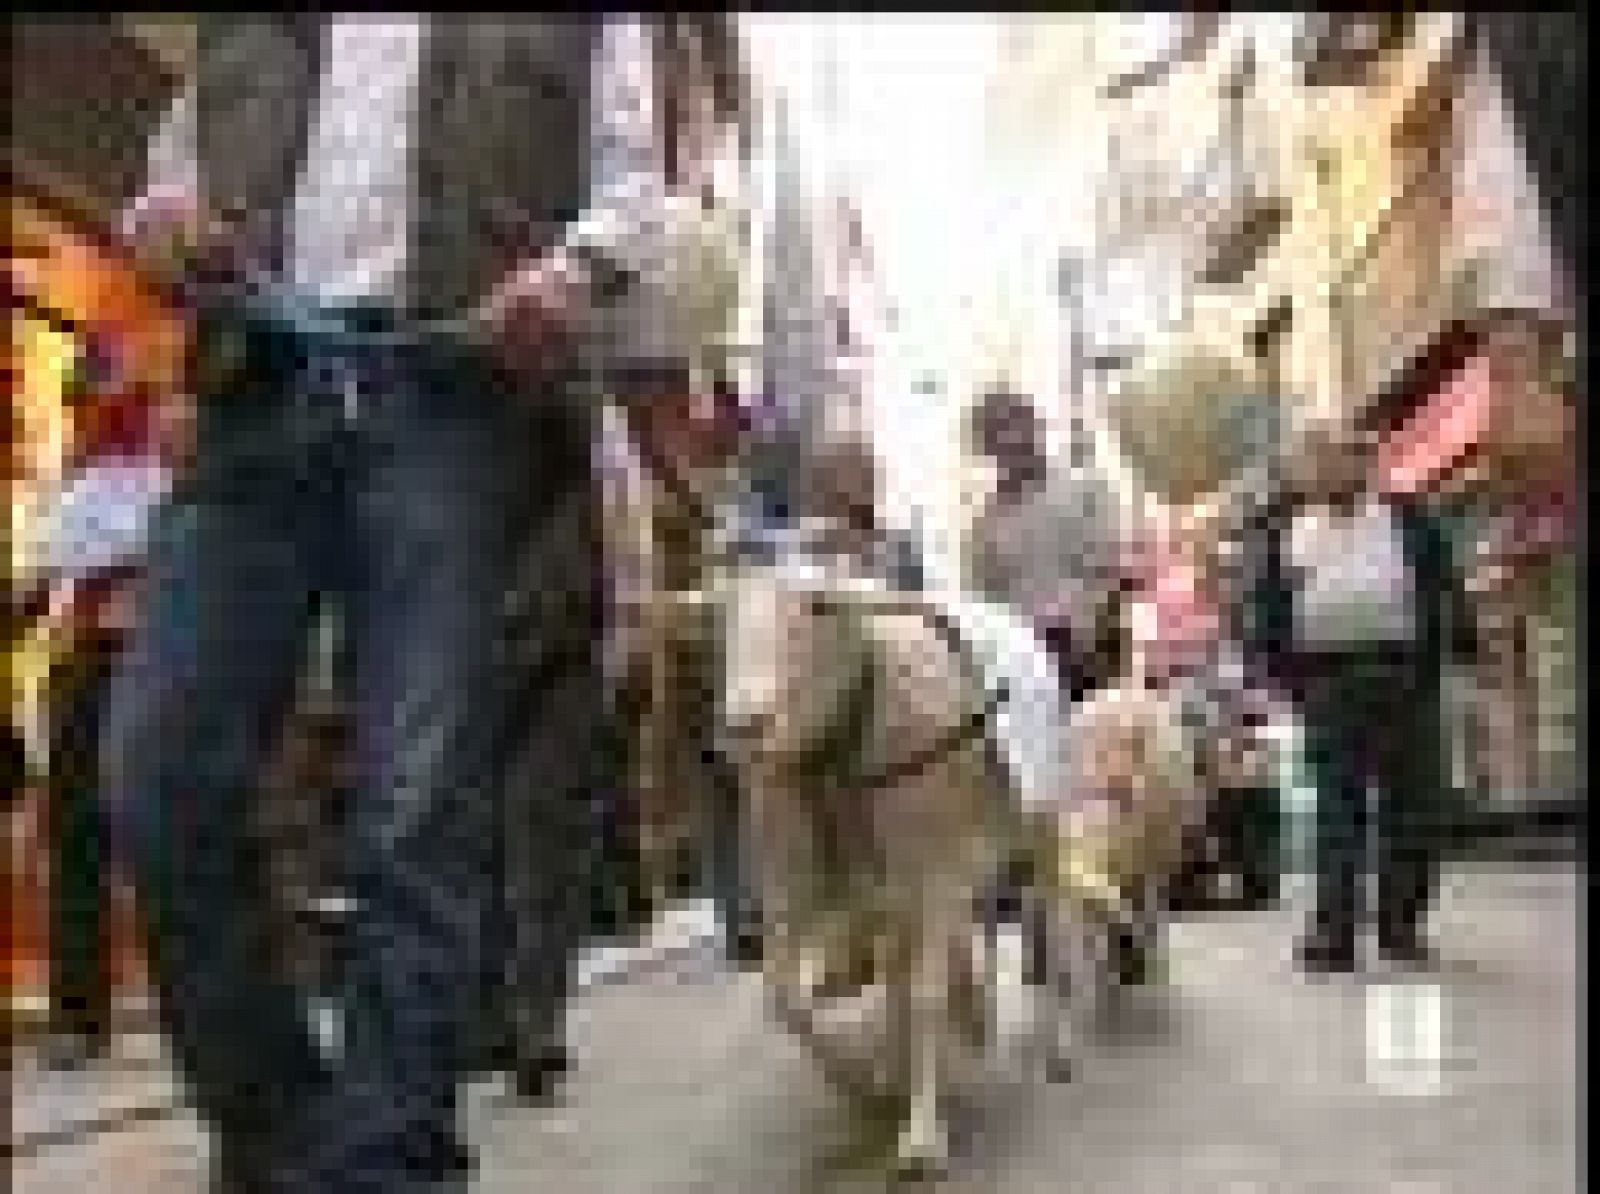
(957, 737)
(838, 756)
(842, 748)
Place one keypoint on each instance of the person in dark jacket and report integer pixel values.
(1354, 609)
(391, 416)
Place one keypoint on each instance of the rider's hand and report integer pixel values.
(531, 315)
(176, 240)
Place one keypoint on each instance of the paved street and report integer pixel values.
(1240, 1078)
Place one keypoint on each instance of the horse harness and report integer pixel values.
(838, 760)
(841, 752)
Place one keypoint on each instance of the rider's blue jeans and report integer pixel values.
(447, 513)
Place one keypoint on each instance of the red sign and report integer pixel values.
(1442, 433)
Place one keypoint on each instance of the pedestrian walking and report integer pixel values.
(401, 238)
(1373, 611)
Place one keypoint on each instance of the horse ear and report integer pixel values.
(680, 598)
(883, 601)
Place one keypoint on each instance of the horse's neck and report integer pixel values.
(920, 688)
(891, 711)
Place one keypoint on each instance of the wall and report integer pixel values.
(84, 98)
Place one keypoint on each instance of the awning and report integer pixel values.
(1464, 412)
(1442, 433)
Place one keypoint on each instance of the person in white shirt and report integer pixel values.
(1048, 544)
(406, 239)
(1373, 606)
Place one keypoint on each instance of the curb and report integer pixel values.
(686, 936)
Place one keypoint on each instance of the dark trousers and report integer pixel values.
(726, 880)
(159, 658)
(81, 981)
(1249, 830)
(619, 903)
(1240, 837)
(1072, 661)
(1375, 736)
(450, 519)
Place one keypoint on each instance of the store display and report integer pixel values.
(97, 348)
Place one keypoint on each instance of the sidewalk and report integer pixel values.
(50, 1107)
(687, 935)
(1240, 1075)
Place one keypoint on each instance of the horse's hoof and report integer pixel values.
(747, 950)
(537, 1080)
(1058, 1070)
(921, 1159)
(919, 1167)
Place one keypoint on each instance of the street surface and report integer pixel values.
(1241, 1077)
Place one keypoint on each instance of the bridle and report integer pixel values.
(843, 745)
(960, 735)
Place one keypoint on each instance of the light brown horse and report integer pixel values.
(1106, 847)
(874, 814)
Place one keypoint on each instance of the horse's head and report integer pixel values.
(796, 645)
(795, 623)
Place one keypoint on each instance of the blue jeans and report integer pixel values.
(450, 519)
(81, 979)
(159, 657)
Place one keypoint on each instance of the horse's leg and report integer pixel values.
(976, 961)
(655, 842)
(1002, 906)
(778, 837)
(1077, 941)
(1045, 920)
(923, 1149)
(670, 776)
(1148, 930)
(1056, 927)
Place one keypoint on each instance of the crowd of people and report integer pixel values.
(474, 378)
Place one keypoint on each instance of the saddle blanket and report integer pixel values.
(1031, 724)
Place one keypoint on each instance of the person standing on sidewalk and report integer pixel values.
(1182, 633)
(91, 559)
(1373, 609)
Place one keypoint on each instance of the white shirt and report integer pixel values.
(1032, 723)
(1356, 586)
(350, 230)
(1055, 549)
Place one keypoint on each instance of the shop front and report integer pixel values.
(92, 350)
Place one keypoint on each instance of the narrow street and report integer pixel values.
(1241, 1077)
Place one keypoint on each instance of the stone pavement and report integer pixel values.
(1241, 1078)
